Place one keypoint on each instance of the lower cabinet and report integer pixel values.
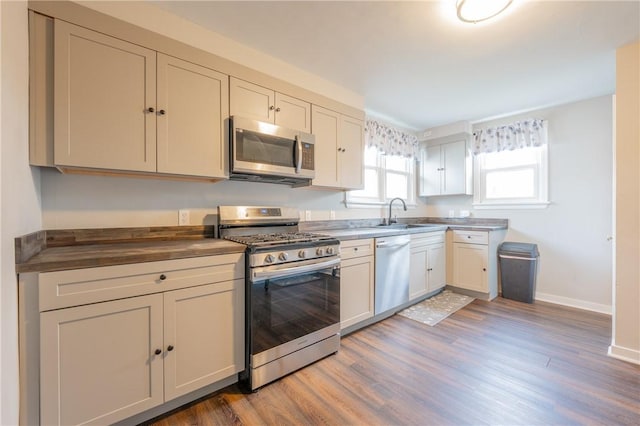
(470, 266)
(428, 264)
(356, 281)
(103, 362)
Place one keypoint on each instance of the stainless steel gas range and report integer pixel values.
(292, 291)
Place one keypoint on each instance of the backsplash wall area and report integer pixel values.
(573, 232)
(76, 201)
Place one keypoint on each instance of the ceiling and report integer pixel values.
(415, 65)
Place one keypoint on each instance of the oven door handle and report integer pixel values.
(294, 270)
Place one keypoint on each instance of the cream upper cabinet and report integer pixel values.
(99, 363)
(119, 106)
(445, 169)
(356, 282)
(192, 106)
(351, 158)
(339, 149)
(103, 89)
(260, 103)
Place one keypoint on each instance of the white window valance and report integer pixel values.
(390, 140)
(521, 134)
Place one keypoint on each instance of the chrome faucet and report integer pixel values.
(404, 205)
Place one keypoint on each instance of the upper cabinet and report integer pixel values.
(104, 91)
(339, 149)
(108, 97)
(445, 169)
(446, 165)
(263, 104)
(119, 106)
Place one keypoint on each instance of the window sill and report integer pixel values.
(373, 204)
(511, 206)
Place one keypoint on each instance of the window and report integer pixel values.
(385, 177)
(516, 179)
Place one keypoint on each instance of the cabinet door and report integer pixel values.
(356, 290)
(351, 157)
(431, 173)
(103, 88)
(418, 273)
(192, 107)
(98, 362)
(470, 266)
(251, 101)
(454, 164)
(204, 326)
(293, 113)
(436, 267)
(326, 128)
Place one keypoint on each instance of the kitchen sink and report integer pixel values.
(407, 225)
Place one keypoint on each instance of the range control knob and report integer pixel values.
(302, 254)
(319, 251)
(269, 258)
(329, 250)
(283, 256)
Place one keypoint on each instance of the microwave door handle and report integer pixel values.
(298, 154)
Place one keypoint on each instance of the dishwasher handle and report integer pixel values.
(384, 244)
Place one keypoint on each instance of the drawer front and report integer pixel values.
(356, 248)
(470, 237)
(428, 238)
(83, 286)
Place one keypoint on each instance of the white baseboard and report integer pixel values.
(574, 303)
(625, 354)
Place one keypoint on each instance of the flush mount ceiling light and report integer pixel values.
(474, 11)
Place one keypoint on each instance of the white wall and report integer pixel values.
(571, 233)
(19, 189)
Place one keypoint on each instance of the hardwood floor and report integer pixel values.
(500, 362)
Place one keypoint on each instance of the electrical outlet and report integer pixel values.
(183, 217)
(307, 215)
(333, 215)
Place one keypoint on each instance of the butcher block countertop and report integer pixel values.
(47, 251)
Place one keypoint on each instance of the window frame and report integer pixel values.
(541, 183)
(381, 170)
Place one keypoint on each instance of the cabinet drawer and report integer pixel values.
(470, 237)
(418, 240)
(356, 248)
(83, 286)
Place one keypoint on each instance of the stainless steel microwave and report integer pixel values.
(269, 153)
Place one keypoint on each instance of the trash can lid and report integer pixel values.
(518, 249)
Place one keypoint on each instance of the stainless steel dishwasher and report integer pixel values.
(392, 272)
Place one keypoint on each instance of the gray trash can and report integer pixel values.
(518, 265)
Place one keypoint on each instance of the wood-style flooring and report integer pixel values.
(499, 363)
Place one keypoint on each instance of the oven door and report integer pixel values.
(289, 303)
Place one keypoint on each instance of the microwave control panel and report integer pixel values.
(307, 156)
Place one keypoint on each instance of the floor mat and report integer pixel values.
(433, 310)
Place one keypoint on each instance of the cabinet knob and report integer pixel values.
(355, 249)
(163, 277)
(430, 269)
(169, 348)
(484, 269)
(158, 351)
(469, 237)
(162, 112)
(150, 109)
(271, 107)
(277, 109)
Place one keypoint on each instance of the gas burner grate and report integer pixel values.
(278, 238)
